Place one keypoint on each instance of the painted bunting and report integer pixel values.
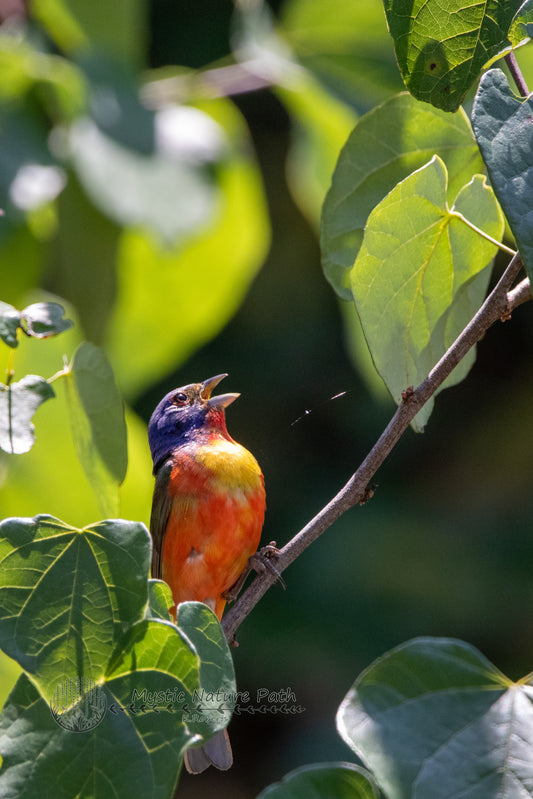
(207, 511)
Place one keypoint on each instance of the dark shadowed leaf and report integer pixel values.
(18, 403)
(502, 125)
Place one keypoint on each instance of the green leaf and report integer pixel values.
(65, 594)
(522, 25)
(170, 301)
(442, 48)
(157, 656)
(323, 781)
(98, 425)
(434, 718)
(9, 324)
(45, 319)
(386, 145)
(416, 258)
(159, 600)
(502, 125)
(18, 403)
(103, 405)
(151, 696)
(201, 626)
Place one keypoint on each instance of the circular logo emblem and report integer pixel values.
(78, 705)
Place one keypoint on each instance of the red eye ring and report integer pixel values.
(180, 398)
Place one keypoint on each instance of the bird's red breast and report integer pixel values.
(217, 507)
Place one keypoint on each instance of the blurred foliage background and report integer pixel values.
(162, 168)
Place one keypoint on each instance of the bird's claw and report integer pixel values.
(260, 561)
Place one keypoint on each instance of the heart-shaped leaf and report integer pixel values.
(435, 719)
(386, 146)
(65, 594)
(414, 274)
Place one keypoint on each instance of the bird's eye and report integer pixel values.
(180, 398)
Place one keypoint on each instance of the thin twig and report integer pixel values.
(498, 306)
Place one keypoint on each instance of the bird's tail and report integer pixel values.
(216, 752)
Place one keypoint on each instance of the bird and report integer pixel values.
(207, 513)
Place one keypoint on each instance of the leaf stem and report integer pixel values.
(482, 233)
(64, 372)
(10, 368)
(498, 306)
(516, 73)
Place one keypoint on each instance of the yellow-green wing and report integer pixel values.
(160, 512)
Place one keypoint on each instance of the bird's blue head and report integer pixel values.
(184, 413)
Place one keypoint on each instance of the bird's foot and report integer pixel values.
(260, 561)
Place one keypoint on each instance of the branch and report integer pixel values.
(225, 81)
(498, 306)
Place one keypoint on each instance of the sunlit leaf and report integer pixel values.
(442, 47)
(416, 258)
(66, 593)
(18, 403)
(322, 781)
(522, 25)
(386, 145)
(502, 125)
(159, 600)
(435, 718)
(98, 427)
(103, 405)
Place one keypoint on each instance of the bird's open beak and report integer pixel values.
(222, 400)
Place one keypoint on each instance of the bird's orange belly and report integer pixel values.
(208, 541)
